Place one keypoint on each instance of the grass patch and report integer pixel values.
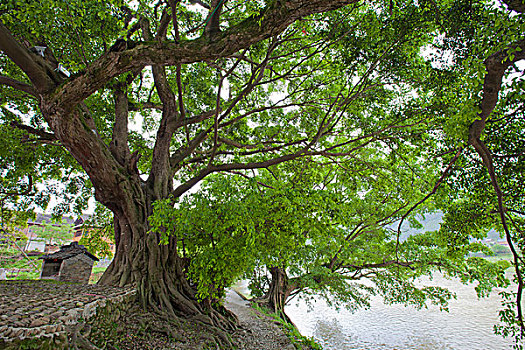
(96, 273)
(17, 266)
(298, 340)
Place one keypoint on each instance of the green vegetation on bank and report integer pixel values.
(298, 340)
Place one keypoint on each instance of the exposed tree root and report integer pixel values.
(79, 338)
(147, 329)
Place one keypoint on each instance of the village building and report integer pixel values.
(72, 263)
(36, 243)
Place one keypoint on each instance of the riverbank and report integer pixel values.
(257, 330)
(54, 312)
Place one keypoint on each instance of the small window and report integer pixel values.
(51, 268)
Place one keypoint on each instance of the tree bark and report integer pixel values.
(156, 270)
(278, 293)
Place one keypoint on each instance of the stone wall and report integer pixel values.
(76, 269)
(53, 315)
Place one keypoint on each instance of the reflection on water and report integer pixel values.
(468, 325)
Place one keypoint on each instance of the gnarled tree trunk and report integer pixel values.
(280, 289)
(156, 270)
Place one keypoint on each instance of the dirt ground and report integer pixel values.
(143, 330)
(257, 331)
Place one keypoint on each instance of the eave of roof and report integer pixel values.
(69, 251)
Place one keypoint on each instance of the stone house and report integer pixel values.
(35, 243)
(72, 263)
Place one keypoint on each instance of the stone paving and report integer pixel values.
(49, 309)
(47, 315)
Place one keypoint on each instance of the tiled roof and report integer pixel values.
(69, 251)
(41, 218)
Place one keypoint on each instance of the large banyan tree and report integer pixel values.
(147, 98)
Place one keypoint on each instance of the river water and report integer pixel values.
(467, 326)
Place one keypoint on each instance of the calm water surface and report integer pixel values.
(467, 326)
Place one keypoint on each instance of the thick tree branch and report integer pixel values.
(194, 120)
(160, 173)
(248, 177)
(496, 66)
(162, 29)
(272, 21)
(184, 152)
(18, 85)
(160, 166)
(515, 5)
(135, 107)
(27, 61)
(235, 166)
(44, 135)
(484, 153)
(213, 19)
(182, 110)
(119, 143)
(201, 3)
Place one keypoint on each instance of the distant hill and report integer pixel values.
(431, 222)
